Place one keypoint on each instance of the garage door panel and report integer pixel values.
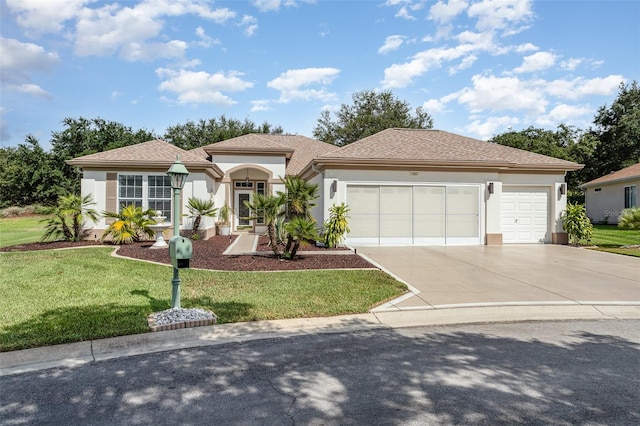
(525, 215)
(405, 215)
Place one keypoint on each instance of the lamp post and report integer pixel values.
(178, 174)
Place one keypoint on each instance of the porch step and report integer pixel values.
(244, 244)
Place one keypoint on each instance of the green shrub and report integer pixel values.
(337, 225)
(12, 211)
(630, 218)
(576, 223)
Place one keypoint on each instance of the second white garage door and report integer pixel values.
(413, 215)
(525, 213)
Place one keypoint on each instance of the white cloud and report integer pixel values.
(527, 47)
(443, 12)
(41, 17)
(250, 25)
(391, 43)
(466, 62)
(30, 89)
(580, 87)
(536, 62)
(261, 105)
(401, 75)
(266, 5)
(563, 113)
(403, 13)
(201, 87)
(205, 40)
(20, 60)
(487, 129)
(433, 106)
(507, 15)
(502, 93)
(571, 63)
(291, 84)
(116, 94)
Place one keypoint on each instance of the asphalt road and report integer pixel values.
(533, 373)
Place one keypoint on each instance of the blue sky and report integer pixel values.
(479, 67)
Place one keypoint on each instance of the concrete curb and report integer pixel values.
(74, 354)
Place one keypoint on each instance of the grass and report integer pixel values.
(20, 230)
(610, 238)
(52, 297)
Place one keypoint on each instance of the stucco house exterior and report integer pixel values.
(403, 186)
(608, 195)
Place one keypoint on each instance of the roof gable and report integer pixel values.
(628, 173)
(299, 150)
(155, 153)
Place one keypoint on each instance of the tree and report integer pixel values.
(66, 220)
(82, 136)
(370, 113)
(199, 208)
(205, 132)
(300, 229)
(270, 208)
(618, 131)
(299, 199)
(131, 225)
(29, 175)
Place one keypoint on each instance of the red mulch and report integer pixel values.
(263, 245)
(207, 254)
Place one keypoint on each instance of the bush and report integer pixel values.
(12, 212)
(336, 226)
(630, 218)
(576, 223)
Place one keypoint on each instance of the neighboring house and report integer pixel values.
(608, 195)
(403, 186)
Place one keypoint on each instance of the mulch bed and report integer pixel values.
(207, 254)
(263, 245)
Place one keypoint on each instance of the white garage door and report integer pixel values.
(525, 213)
(413, 215)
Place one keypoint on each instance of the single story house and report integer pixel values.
(403, 186)
(608, 195)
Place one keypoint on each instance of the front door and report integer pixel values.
(242, 211)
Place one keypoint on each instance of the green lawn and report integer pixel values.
(610, 238)
(20, 230)
(52, 297)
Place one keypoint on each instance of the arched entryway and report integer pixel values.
(246, 181)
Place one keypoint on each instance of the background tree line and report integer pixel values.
(29, 174)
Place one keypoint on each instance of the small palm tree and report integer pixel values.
(198, 209)
(300, 197)
(68, 217)
(131, 225)
(300, 229)
(270, 207)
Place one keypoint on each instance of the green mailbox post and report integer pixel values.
(180, 249)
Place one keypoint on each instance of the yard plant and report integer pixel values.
(199, 208)
(576, 223)
(131, 224)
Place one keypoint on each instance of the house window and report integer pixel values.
(130, 191)
(598, 189)
(159, 195)
(244, 184)
(260, 189)
(147, 192)
(630, 199)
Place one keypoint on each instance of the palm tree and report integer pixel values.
(68, 217)
(269, 207)
(300, 197)
(131, 225)
(197, 209)
(337, 225)
(300, 229)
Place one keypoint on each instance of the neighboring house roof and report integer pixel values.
(152, 154)
(299, 150)
(436, 148)
(628, 173)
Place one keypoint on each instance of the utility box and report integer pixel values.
(180, 251)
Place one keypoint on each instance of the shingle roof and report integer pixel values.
(154, 153)
(432, 147)
(299, 149)
(628, 173)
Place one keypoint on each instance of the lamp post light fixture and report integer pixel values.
(178, 174)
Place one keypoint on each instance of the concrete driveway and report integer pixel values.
(444, 277)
